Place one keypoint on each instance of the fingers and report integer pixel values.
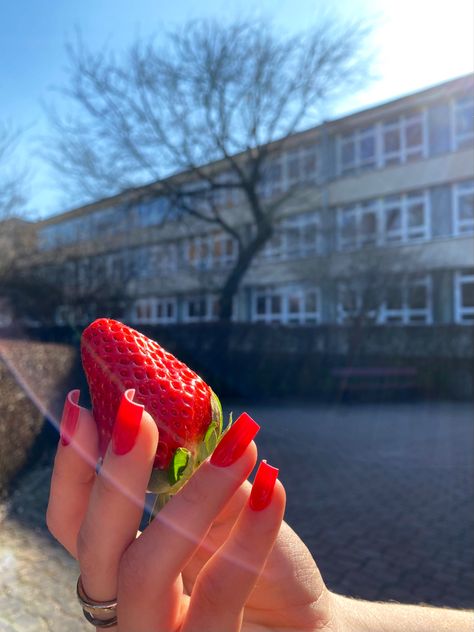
(116, 500)
(73, 473)
(226, 581)
(150, 582)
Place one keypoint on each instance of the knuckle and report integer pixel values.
(85, 552)
(211, 591)
(194, 493)
(131, 571)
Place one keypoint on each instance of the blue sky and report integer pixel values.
(420, 43)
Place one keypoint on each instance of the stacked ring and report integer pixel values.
(102, 614)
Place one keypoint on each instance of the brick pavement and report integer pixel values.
(382, 495)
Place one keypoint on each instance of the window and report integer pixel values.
(464, 207)
(302, 164)
(348, 227)
(151, 212)
(464, 296)
(408, 301)
(200, 308)
(272, 178)
(206, 251)
(406, 217)
(286, 304)
(403, 138)
(142, 312)
(165, 310)
(161, 310)
(358, 150)
(294, 237)
(358, 225)
(463, 121)
(357, 300)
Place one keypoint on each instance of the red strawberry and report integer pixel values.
(185, 409)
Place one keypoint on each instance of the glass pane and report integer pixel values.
(348, 153)
(311, 302)
(416, 215)
(368, 227)
(465, 120)
(414, 135)
(217, 247)
(393, 219)
(394, 298)
(276, 304)
(392, 141)
(261, 305)
(310, 237)
(466, 207)
(292, 239)
(310, 163)
(367, 148)
(294, 168)
(417, 297)
(294, 304)
(467, 294)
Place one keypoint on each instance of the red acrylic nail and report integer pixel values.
(263, 486)
(70, 416)
(127, 423)
(235, 440)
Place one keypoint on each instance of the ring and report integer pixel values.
(94, 611)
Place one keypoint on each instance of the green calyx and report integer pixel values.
(166, 483)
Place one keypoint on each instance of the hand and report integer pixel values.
(209, 561)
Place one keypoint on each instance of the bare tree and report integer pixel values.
(202, 116)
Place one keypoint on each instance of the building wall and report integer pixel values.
(417, 151)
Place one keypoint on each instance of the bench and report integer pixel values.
(375, 378)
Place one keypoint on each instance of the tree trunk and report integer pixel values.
(245, 258)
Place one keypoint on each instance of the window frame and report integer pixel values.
(284, 293)
(462, 277)
(456, 195)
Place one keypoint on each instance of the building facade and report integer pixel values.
(379, 223)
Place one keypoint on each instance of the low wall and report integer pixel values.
(272, 360)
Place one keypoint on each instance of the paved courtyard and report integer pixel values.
(382, 495)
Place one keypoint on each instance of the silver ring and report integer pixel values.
(95, 611)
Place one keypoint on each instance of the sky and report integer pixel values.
(419, 43)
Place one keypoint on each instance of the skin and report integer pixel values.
(208, 561)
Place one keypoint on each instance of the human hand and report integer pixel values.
(211, 560)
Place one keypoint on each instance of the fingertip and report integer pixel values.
(149, 433)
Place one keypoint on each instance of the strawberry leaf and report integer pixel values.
(178, 465)
(216, 408)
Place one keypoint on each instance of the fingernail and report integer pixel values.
(263, 486)
(127, 423)
(236, 439)
(70, 416)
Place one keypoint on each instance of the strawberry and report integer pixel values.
(185, 409)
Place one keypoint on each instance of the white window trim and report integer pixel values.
(282, 252)
(455, 195)
(209, 300)
(165, 302)
(404, 151)
(405, 312)
(456, 141)
(284, 292)
(460, 278)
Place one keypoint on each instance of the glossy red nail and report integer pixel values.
(70, 417)
(127, 423)
(235, 440)
(263, 486)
